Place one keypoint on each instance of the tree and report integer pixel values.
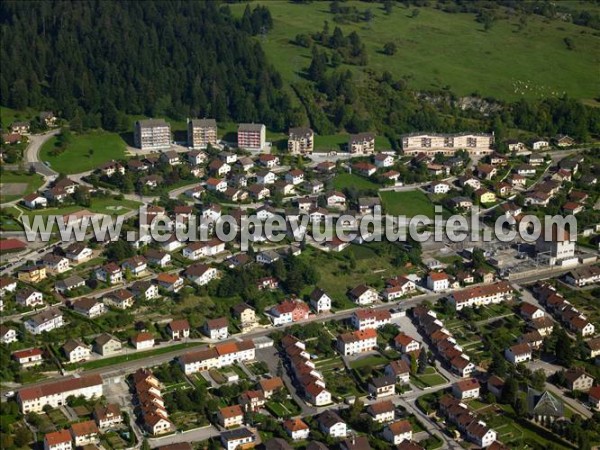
(388, 7)
(145, 445)
(389, 48)
(538, 379)
(423, 363)
(413, 364)
(510, 391)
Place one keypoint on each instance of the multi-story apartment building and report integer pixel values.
(447, 144)
(301, 141)
(357, 342)
(152, 134)
(33, 399)
(251, 136)
(362, 143)
(201, 132)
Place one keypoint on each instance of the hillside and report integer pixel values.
(519, 56)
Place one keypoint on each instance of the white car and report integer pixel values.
(9, 394)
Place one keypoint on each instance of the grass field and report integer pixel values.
(338, 142)
(33, 183)
(437, 49)
(108, 206)
(346, 180)
(409, 203)
(77, 158)
(9, 115)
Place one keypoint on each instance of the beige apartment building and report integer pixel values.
(201, 132)
(301, 140)
(447, 144)
(152, 134)
(362, 143)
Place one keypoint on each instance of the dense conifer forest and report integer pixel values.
(101, 59)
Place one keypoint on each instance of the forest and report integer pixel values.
(102, 60)
(98, 64)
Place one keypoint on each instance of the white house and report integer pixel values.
(143, 341)
(363, 295)
(320, 301)
(356, 342)
(47, 320)
(438, 281)
(297, 429)
(201, 274)
(28, 297)
(331, 424)
(439, 187)
(216, 328)
(518, 353)
(466, 389)
(35, 200)
(76, 351)
(398, 432)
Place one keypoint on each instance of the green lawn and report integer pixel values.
(132, 356)
(33, 183)
(437, 49)
(372, 361)
(409, 204)
(9, 115)
(346, 180)
(77, 158)
(338, 142)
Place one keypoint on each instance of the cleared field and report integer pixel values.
(409, 203)
(437, 49)
(15, 185)
(86, 152)
(346, 180)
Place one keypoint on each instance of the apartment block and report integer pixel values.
(201, 132)
(152, 134)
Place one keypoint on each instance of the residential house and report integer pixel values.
(320, 301)
(110, 273)
(382, 386)
(47, 320)
(289, 311)
(518, 353)
(55, 394)
(108, 417)
(28, 358)
(230, 416)
(76, 351)
(246, 315)
(238, 438)
(32, 274)
(178, 329)
(143, 341)
(28, 297)
(35, 200)
(438, 281)
(145, 290)
(201, 274)
(88, 307)
(363, 295)
(169, 282)
(466, 389)
(577, 379)
(120, 299)
(357, 342)
(78, 252)
(107, 345)
(331, 424)
(297, 429)
(399, 369)
(398, 432)
(7, 335)
(382, 412)
(485, 196)
(58, 440)
(383, 160)
(364, 319)
(439, 187)
(216, 328)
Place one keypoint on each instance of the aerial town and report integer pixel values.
(302, 340)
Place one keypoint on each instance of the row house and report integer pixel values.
(363, 319)
(356, 342)
(55, 394)
(289, 311)
(481, 295)
(221, 355)
(466, 421)
(583, 276)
